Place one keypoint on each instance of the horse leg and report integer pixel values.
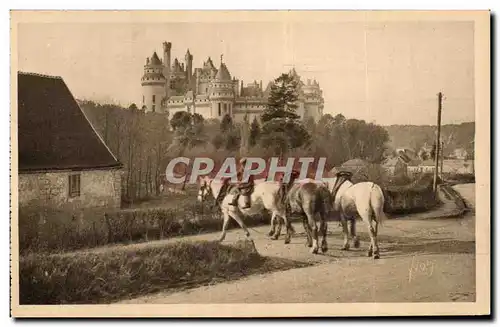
(345, 232)
(376, 251)
(354, 237)
(278, 228)
(313, 228)
(308, 232)
(289, 230)
(273, 224)
(365, 214)
(324, 228)
(225, 224)
(240, 222)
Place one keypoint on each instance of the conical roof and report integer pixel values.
(155, 60)
(223, 73)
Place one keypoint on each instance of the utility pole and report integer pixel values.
(438, 142)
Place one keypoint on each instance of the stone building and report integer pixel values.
(63, 162)
(212, 92)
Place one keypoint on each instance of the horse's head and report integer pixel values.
(204, 188)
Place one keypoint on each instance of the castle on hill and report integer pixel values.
(170, 87)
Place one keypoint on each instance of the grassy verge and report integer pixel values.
(106, 277)
(48, 230)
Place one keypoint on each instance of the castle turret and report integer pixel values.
(222, 93)
(176, 67)
(153, 84)
(189, 66)
(167, 47)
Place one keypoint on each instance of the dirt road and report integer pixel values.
(422, 260)
(467, 191)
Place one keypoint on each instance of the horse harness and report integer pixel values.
(341, 178)
(244, 189)
(285, 189)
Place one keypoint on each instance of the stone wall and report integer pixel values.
(98, 189)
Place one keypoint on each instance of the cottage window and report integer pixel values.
(74, 185)
(220, 112)
(154, 98)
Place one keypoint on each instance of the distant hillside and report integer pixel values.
(414, 136)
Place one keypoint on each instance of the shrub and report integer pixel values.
(456, 178)
(104, 277)
(46, 229)
(376, 173)
(414, 197)
(49, 230)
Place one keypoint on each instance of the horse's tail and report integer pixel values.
(326, 202)
(377, 201)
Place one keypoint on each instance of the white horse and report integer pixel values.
(265, 196)
(364, 200)
(307, 199)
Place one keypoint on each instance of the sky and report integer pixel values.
(387, 73)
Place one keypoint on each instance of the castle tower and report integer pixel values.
(153, 84)
(167, 47)
(222, 93)
(189, 66)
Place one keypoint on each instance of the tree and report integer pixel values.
(433, 151)
(339, 119)
(280, 122)
(282, 101)
(217, 141)
(232, 140)
(331, 139)
(254, 132)
(226, 124)
(181, 119)
(276, 142)
(341, 139)
(291, 130)
(133, 106)
(198, 119)
(310, 125)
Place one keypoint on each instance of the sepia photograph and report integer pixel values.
(250, 163)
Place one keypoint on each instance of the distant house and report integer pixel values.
(406, 154)
(63, 162)
(460, 154)
(456, 166)
(421, 166)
